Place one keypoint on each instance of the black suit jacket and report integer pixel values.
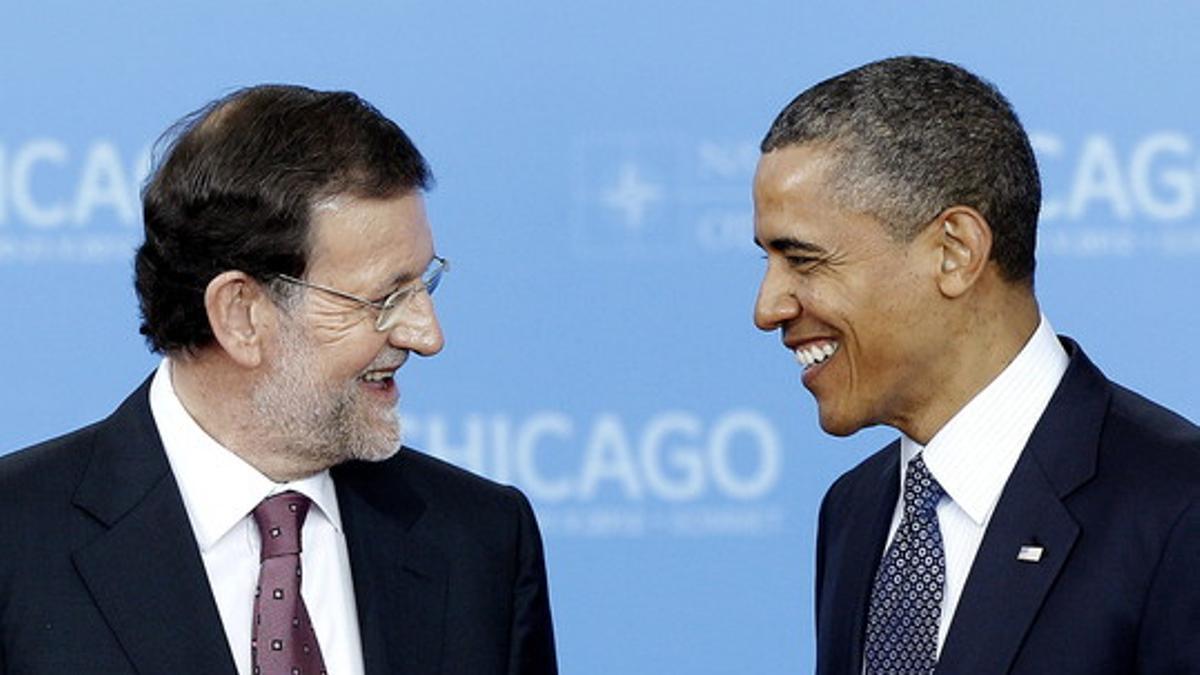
(100, 572)
(1109, 486)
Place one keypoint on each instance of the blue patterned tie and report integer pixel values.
(906, 599)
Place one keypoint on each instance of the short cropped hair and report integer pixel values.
(234, 188)
(911, 136)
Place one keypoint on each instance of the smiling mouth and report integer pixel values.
(384, 380)
(815, 353)
(383, 377)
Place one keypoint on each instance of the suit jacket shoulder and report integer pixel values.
(100, 558)
(1152, 440)
(428, 494)
(1109, 486)
(45, 473)
(449, 569)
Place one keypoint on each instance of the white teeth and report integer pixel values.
(377, 376)
(815, 354)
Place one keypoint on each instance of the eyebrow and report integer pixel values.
(790, 245)
(404, 279)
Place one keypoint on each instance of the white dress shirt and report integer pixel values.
(973, 455)
(220, 491)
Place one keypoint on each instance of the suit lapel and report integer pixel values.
(1003, 594)
(145, 573)
(857, 547)
(400, 578)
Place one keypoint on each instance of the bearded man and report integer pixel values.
(249, 509)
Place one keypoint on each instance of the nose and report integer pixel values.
(418, 328)
(776, 304)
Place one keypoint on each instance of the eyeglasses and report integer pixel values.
(389, 307)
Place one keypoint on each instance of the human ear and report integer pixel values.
(964, 244)
(237, 311)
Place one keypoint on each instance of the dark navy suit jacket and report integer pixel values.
(1109, 486)
(100, 572)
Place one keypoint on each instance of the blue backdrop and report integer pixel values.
(593, 164)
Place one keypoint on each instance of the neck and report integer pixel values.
(979, 346)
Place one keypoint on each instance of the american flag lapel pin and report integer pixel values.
(1030, 553)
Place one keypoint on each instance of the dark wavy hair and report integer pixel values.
(234, 188)
(911, 136)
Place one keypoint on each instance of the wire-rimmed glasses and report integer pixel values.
(388, 308)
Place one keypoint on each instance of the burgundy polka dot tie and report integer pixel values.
(282, 641)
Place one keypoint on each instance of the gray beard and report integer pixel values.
(317, 425)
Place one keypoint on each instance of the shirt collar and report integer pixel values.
(973, 455)
(218, 487)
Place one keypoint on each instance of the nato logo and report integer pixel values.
(661, 196)
(623, 197)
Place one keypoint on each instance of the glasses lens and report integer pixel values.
(433, 274)
(396, 302)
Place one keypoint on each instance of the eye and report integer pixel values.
(802, 261)
(391, 299)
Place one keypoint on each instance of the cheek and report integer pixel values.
(347, 359)
(889, 302)
(895, 345)
(874, 332)
(336, 331)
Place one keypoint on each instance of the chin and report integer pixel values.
(839, 426)
(378, 445)
(365, 434)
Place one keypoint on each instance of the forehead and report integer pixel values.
(791, 189)
(365, 242)
(792, 173)
(796, 207)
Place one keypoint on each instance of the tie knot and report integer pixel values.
(280, 518)
(921, 490)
